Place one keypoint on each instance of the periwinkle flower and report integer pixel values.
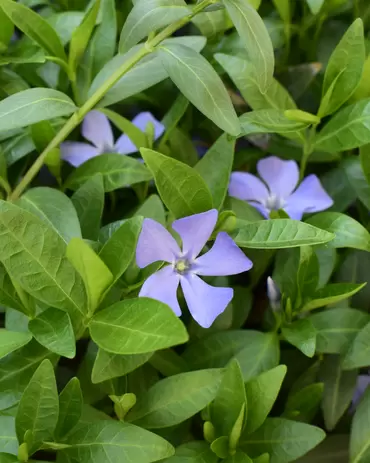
(278, 190)
(205, 302)
(363, 381)
(97, 130)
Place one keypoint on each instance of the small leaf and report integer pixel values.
(53, 329)
(70, 408)
(301, 116)
(131, 327)
(358, 354)
(12, 340)
(269, 121)
(331, 294)
(181, 188)
(301, 334)
(193, 452)
(315, 5)
(220, 447)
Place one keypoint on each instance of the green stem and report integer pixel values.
(78, 116)
(308, 148)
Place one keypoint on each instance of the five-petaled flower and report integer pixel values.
(276, 191)
(205, 302)
(96, 129)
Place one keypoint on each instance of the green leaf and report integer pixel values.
(108, 366)
(348, 232)
(52, 281)
(12, 340)
(148, 72)
(344, 70)
(279, 234)
(262, 392)
(181, 188)
(284, 440)
(193, 452)
(88, 201)
(331, 294)
(152, 208)
(315, 5)
(8, 458)
(360, 437)
(81, 36)
(211, 23)
(175, 399)
(241, 457)
(117, 171)
(301, 116)
(304, 404)
(262, 353)
(9, 296)
(70, 408)
(339, 387)
(132, 327)
(269, 121)
(220, 447)
(112, 440)
(8, 436)
(255, 38)
(337, 328)
(283, 8)
(201, 85)
(35, 27)
(119, 250)
(358, 354)
(147, 16)
(215, 168)
(348, 129)
(39, 407)
(7, 30)
(168, 362)
(365, 161)
(230, 398)
(53, 329)
(302, 334)
(240, 72)
(95, 274)
(353, 169)
(33, 105)
(54, 208)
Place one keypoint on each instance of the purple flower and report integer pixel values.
(205, 302)
(278, 189)
(363, 381)
(96, 129)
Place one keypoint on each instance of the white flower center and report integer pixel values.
(274, 203)
(182, 266)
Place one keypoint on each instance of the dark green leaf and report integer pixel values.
(301, 334)
(303, 405)
(331, 294)
(357, 179)
(359, 448)
(358, 354)
(193, 452)
(70, 408)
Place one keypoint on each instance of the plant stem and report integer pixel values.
(308, 148)
(78, 116)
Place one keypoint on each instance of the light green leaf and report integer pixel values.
(262, 392)
(152, 208)
(241, 457)
(113, 440)
(255, 38)
(137, 326)
(95, 274)
(337, 328)
(37, 57)
(220, 447)
(302, 334)
(147, 16)
(201, 85)
(269, 121)
(117, 171)
(33, 105)
(344, 69)
(8, 436)
(284, 440)
(301, 116)
(54, 208)
(7, 30)
(215, 168)
(315, 5)
(279, 234)
(39, 407)
(70, 408)
(52, 281)
(12, 340)
(358, 354)
(9, 296)
(211, 23)
(283, 8)
(193, 452)
(35, 27)
(53, 329)
(261, 354)
(331, 294)
(348, 129)
(108, 366)
(339, 387)
(360, 436)
(175, 399)
(88, 201)
(119, 250)
(181, 188)
(348, 232)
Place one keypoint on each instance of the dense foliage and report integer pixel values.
(184, 231)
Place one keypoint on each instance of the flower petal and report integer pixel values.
(77, 153)
(195, 231)
(97, 129)
(162, 285)
(225, 258)
(124, 145)
(205, 302)
(363, 381)
(280, 176)
(310, 196)
(155, 243)
(247, 187)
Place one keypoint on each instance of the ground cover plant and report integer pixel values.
(184, 231)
